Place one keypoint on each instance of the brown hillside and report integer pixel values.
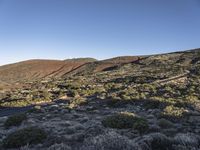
(37, 69)
(104, 65)
(31, 70)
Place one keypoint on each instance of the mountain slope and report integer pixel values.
(104, 65)
(150, 102)
(33, 70)
(36, 69)
(39, 69)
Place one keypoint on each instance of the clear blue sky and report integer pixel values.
(60, 29)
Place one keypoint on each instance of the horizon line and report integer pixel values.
(101, 59)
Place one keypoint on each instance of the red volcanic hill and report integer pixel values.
(104, 65)
(14, 75)
(38, 69)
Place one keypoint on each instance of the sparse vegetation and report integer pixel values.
(108, 141)
(77, 102)
(171, 112)
(94, 106)
(163, 123)
(141, 125)
(30, 135)
(35, 109)
(121, 121)
(126, 120)
(15, 120)
(157, 141)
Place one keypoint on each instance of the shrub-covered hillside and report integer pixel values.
(142, 103)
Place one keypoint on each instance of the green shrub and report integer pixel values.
(108, 141)
(114, 102)
(160, 142)
(15, 120)
(77, 102)
(121, 121)
(72, 93)
(125, 120)
(141, 125)
(15, 103)
(155, 141)
(35, 109)
(152, 104)
(108, 86)
(171, 112)
(163, 123)
(30, 135)
(60, 146)
(125, 97)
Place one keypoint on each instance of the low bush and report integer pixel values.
(77, 102)
(163, 123)
(161, 142)
(72, 93)
(15, 120)
(121, 121)
(108, 141)
(152, 104)
(172, 112)
(126, 120)
(35, 109)
(189, 140)
(60, 146)
(116, 102)
(30, 135)
(141, 125)
(155, 141)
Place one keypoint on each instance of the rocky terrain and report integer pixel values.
(124, 103)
